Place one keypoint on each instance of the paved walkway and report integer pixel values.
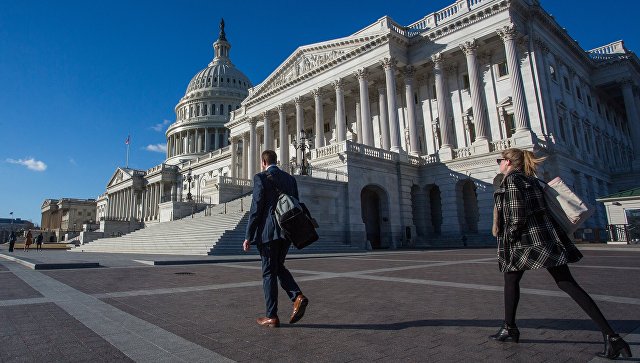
(432, 305)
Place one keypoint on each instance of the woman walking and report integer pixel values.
(528, 238)
(28, 241)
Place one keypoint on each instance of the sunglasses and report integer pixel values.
(500, 160)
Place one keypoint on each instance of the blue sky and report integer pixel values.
(77, 77)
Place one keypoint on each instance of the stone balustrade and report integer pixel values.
(463, 152)
(500, 145)
(221, 179)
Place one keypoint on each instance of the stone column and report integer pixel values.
(508, 34)
(282, 134)
(365, 109)
(252, 148)
(414, 148)
(245, 156)
(481, 144)
(358, 123)
(341, 122)
(443, 110)
(299, 126)
(216, 138)
(317, 97)
(268, 142)
(207, 142)
(632, 117)
(384, 118)
(234, 161)
(389, 65)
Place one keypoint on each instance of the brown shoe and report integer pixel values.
(269, 322)
(299, 306)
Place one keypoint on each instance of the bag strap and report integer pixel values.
(273, 183)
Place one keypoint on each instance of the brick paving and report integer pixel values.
(431, 305)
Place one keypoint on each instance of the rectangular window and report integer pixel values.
(566, 84)
(503, 69)
(578, 93)
(465, 82)
(589, 101)
(599, 109)
(552, 72)
(562, 133)
(510, 123)
(327, 128)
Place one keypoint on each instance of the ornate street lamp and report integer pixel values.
(303, 142)
(189, 179)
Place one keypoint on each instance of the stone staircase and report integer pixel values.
(217, 231)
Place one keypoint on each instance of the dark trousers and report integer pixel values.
(566, 283)
(273, 255)
(11, 244)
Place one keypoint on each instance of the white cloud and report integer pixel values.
(159, 148)
(30, 163)
(72, 161)
(161, 126)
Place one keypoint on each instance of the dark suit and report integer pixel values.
(263, 230)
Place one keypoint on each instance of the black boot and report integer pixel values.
(614, 345)
(507, 332)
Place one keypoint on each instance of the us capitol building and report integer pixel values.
(398, 128)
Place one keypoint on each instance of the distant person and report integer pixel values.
(39, 242)
(264, 232)
(28, 241)
(12, 240)
(529, 238)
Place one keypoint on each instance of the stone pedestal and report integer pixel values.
(445, 154)
(480, 147)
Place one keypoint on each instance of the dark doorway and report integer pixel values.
(371, 204)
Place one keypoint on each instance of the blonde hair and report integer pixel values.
(524, 160)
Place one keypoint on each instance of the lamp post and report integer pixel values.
(303, 142)
(189, 179)
(11, 214)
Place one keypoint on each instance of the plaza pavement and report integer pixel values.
(403, 305)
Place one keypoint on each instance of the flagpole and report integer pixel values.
(127, 164)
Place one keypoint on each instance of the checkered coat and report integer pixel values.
(528, 237)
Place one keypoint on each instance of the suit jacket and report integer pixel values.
(262, 226)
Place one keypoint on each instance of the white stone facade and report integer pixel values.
(411, 119)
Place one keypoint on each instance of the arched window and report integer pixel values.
(197, 110)
(221, 109)
(204, 109)
(229, 109)
(213, 109)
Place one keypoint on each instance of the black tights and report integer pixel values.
(566, 283)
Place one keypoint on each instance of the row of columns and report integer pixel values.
(196, 141)
(122, 205)
(388, 113)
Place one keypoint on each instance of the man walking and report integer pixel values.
(264, 232)
(39, 242)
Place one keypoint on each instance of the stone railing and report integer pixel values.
(221, 179)
(441, 16)
(500, 145)
(611, 48)
(463, 152)
(371, 151)
(327, 150)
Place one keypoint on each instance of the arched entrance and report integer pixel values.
(418, 209)
(373, 202)
(435, 208)
(470, 211)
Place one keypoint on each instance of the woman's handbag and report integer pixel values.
(565, 207)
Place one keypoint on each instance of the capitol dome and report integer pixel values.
(207, 103)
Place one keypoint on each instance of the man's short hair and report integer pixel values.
(269, 157)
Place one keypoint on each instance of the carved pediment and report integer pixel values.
(119, 176)
(310, 58)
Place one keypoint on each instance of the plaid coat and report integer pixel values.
(528, 237)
